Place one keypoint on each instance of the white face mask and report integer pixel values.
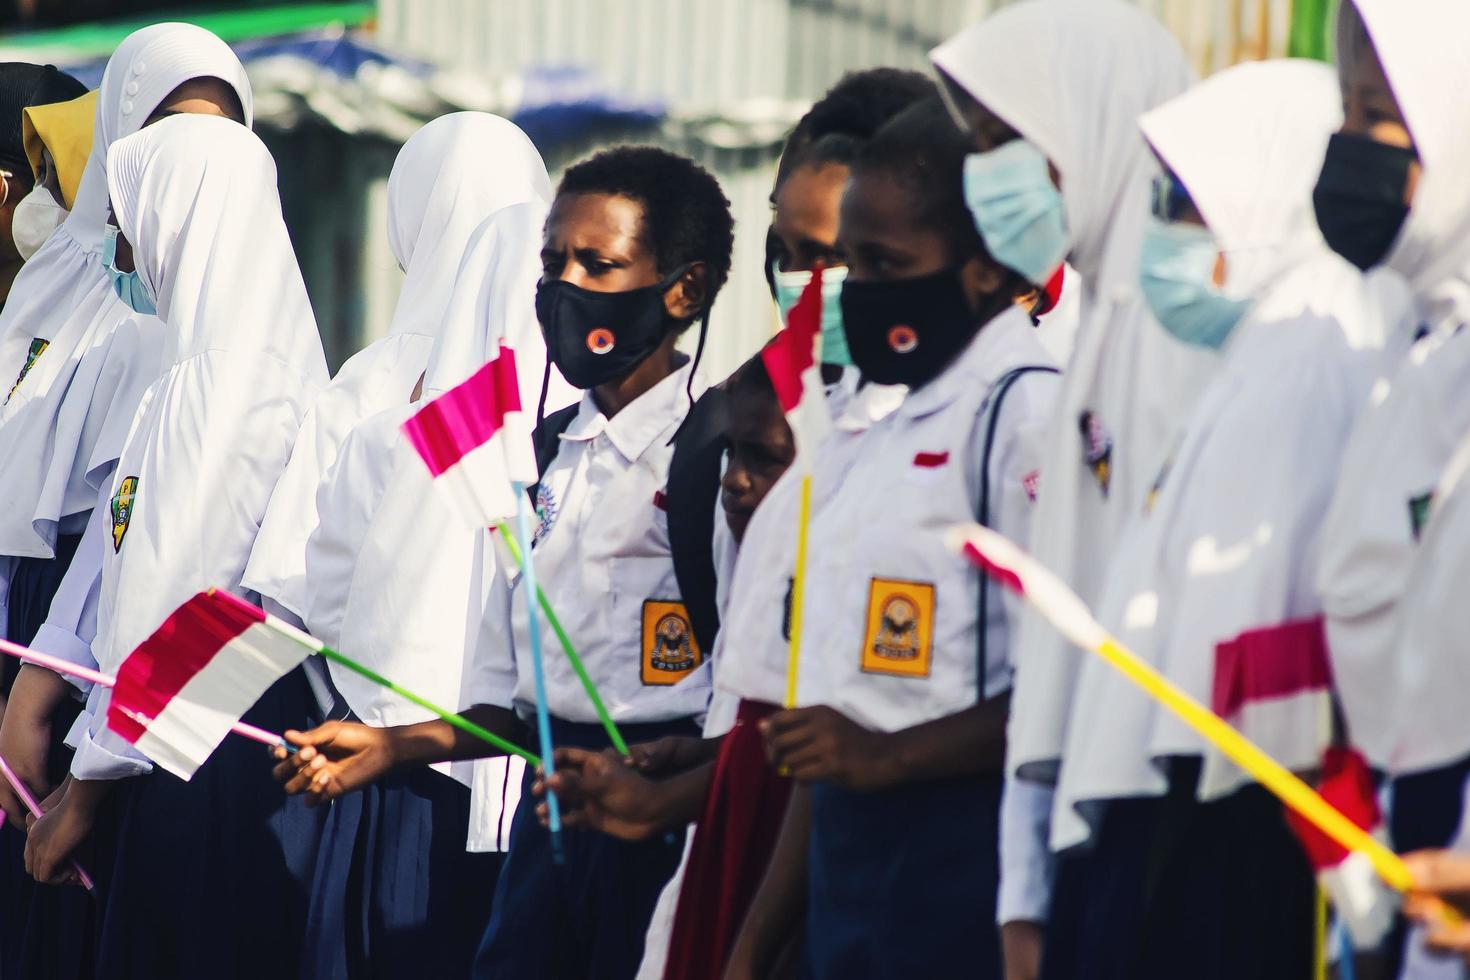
(36, 216)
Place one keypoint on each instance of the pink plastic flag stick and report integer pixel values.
(35, 808)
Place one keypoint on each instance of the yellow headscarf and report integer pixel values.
(65, 129)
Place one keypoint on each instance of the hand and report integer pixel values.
(53, 838)
(1441, 878)
(819, 743)
(599, 791)
(672, 753)
(25, 735)
(334, 759)
(1021, 942)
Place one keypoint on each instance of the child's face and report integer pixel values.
(595, 241)
(881, 236)
(804, 224)
(1370, 108)
(760, 451)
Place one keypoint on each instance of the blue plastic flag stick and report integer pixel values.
(533, 627)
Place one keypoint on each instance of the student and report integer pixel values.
(1388, 197)
(636, 248)
(905, 666)
(197, 198)
(394, 577)
(1214, 577)
(448, 178)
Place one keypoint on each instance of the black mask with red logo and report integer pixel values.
(907, 331)
(594, 338)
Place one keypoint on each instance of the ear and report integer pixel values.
(685, 298)
(982, 279)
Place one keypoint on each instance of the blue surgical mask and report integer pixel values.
(788, 290)
(1176, 271)
(1017, 209)
(128, 285)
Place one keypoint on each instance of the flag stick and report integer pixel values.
(798, 591)
(97, 677)
(316, 646)
(35, 811)
(543, 713)
(614, 736)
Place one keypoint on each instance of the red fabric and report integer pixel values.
(732, 846)
(1051, 293)
(931, 460)
(1275, 662)
(1004, 576)
(466, 416)
(794, 349)
(1348, 785)
(179, 649)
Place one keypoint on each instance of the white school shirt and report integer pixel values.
(891, 634)
(603, 560)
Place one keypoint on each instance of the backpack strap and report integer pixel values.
(692, 500)
(546, 440)
(992, 406)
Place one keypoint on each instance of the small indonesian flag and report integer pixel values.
(185, 687)
(476, 442)
(1364, 902)
(793, 361)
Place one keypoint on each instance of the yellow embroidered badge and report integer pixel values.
(122, 509)
(670, 650)
(900, 635)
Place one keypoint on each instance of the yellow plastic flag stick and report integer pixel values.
(798, 590)
(1319, 950)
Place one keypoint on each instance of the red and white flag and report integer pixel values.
(476, 442)
(185, 687)
(793, 359)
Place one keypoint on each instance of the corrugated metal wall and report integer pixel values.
(722, 57)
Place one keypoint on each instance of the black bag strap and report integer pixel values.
(546, 440)
(692, 501)
(992, 404)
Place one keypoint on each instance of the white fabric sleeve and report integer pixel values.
(492, 676)
(71, 622)
(1026, 862)
(101, 752)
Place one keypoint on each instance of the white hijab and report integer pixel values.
(1400, 446)
(64, 425)
(1073, 77)
(1229, 544)
(449, 177)
(393, 575)
(197, 197)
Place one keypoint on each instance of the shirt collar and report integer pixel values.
(989, 354)
(647, 417)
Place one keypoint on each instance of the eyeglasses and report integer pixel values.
(1168, 199)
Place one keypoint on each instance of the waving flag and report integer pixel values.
(476, 442)
(186, 686)
(794, 362)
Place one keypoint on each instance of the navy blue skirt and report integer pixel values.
(1177, 888)
(585, 919)
(395, 893)
(902, 883)
(45, 930)
(210, 878)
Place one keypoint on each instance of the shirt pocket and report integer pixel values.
(649, 616)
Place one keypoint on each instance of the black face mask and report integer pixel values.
(909, 330)
(594, 338)
(1359, 197)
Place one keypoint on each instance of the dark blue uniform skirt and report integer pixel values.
(902, 883)
(45, 931)
(210, 877)
(586, 919)
(1176, 888)
(395, 893)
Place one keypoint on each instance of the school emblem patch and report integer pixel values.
(900, 634)
(122, 509)
(1097, 448)
(1419, 508)
(670, 650)
(545, 513)
(37, 348)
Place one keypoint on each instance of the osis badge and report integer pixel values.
(900, 633)
(1097, 448)
(1419, 508)
(37, 348)
(122, 509)
(546, 511)
(670, 650)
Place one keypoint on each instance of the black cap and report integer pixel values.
(23, 85)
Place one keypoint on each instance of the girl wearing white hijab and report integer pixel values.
(198, 198)
(1213, 582)
(1090, 68)
(394, 577)
(448, 178)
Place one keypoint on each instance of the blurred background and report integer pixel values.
(340, 86)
